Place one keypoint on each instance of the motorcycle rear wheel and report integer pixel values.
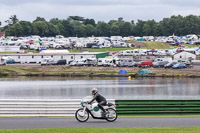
(82, 118)
(112, 115)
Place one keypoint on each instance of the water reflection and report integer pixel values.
(118, 88)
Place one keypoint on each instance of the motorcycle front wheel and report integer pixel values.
(81, 115)
(112, 115)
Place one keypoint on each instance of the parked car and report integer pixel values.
(7, 60)
(47, 61)
(88, 62)
(134, 64)
(82, 62)
(146, 64)
(95, 46)
(73, 63)
(179, 66)
(160, 64)
(170, 64)
(61, 62)
(10, 61)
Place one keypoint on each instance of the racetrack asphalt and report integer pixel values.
(27, 123)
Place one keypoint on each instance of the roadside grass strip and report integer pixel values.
(14, 69)
(108, 130)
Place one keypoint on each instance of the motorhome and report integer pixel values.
(160, 52)
(163, 59)
(107, 62)
(139, 52)
(170, 51)
(126, 52)
(192, 50)
(135, 52)
(87, 62)
(125, 62)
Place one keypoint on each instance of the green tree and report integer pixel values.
(39, 19)
(120, 20)
(79, 29)
(12, 20)
(103, 29)
(78, 26)
(76, 18)
(53, 30)
(68, 28)
(139, 28)
(54, 21)
(89, 21)
(40, 28)
(14, 30)
(89, 30)
(125, 29)
(191, 24)
(111, 22)
(150, 28)
(61, 29)
(115, 31)
(26, 28)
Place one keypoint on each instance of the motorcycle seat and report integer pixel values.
(109, 104)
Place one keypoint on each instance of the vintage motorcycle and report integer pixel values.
(82, 114)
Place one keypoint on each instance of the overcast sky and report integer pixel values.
(100, 10)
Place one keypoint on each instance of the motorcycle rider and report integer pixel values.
(100, 99)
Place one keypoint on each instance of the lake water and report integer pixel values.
(117, 88)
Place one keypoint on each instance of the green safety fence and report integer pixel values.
(157, 107)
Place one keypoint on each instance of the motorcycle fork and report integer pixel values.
(84, 109)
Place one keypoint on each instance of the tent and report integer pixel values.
(43, 49)
(122, 71)
(37, 41)
(140, 39)
(108, 39)
(31, 41)
(144, 71)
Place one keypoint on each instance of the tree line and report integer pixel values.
(76, 26)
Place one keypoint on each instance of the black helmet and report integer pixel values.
(94, 91)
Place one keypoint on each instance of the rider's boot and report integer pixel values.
(104, 114)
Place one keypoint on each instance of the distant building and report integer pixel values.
(38, 57)
(184, 56)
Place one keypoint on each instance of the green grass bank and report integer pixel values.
(108, 130)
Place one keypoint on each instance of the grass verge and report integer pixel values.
(14, 69)
(31, 51)
(108, 130)
(107, 49)
(2, 74)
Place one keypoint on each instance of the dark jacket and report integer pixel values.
(99, 98)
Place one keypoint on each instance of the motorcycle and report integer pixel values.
(82, 114)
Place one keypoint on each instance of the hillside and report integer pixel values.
(137, 44)
(150, 44)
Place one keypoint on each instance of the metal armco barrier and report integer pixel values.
(39, 107)
(157, 107)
